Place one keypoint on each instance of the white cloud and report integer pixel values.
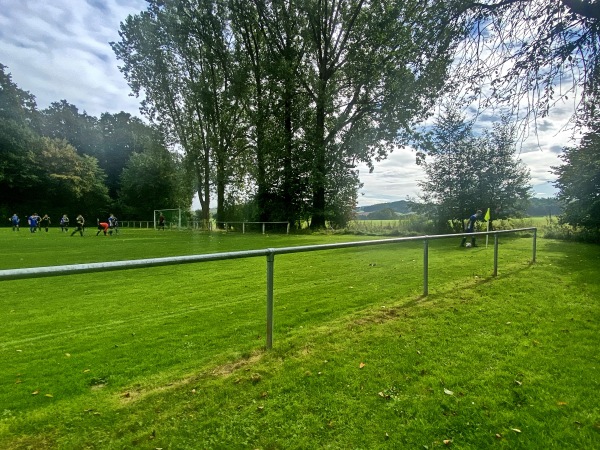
(392, 179)
(60, 50)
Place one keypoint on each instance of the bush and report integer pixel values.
(567, 232)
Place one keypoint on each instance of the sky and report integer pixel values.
(59, 49)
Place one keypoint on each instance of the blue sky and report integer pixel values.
(59, 49)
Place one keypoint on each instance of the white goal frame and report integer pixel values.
(160, 211)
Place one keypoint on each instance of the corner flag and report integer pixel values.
(487, 219)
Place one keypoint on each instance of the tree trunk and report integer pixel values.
(319, 169)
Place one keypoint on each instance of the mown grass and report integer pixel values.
(173, 357)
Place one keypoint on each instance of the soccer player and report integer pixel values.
(64, 224)
(45, 222)
(102, 226)
(80, 223)
(470, 228)
(161, 222)
(113, 223)
(14, 220)
(32, 220)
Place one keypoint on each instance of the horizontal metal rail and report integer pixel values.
(269, 253)
(226, 224)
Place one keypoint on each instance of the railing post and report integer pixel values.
(263, 227)
(425, 268)
(495, 255)
(534, 243)
(270, 269)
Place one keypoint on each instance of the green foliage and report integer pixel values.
(579, 183)
(465, 173)
(556, 61)
(77, 160)
(383, 214)
(544, 207)
(288, 97)
(153, 180)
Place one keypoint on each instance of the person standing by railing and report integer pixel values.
(470, 228)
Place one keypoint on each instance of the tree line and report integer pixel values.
(274, 104)
(61, 161)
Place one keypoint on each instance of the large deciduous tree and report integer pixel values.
(372, 69)
(70, 180)
(179, 53)
(579, 183)
(465, 172)
(153, 180)
(332, 84)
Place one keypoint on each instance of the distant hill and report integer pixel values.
(401, 207)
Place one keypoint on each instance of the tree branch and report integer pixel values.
(583, 8)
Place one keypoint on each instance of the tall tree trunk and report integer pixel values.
(288, 183)
(319, 168)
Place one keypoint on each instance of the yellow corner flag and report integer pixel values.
(487, 219)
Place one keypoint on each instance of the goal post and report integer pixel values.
(172, 218)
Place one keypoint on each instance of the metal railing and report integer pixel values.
(226, 225)
(269, 253)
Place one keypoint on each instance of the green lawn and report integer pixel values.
(173, 357)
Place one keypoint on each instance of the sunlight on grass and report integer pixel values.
(173, 357)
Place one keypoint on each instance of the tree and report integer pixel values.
(371, 71)
(179, 54)
(579, 183)
(383, 214)
(20, 174)
(122, 136)
(71, 180)
(15, 103)
(62, 120)
(466, 173)
(334, 83)
(152, 180)
(535, 53)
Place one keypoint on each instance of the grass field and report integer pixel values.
(173, 357)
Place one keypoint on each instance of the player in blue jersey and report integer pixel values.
(64, 223)
(14, 220)
(33, 221)
(470, 228)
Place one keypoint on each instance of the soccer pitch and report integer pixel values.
(71, 336)
(83, 344)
